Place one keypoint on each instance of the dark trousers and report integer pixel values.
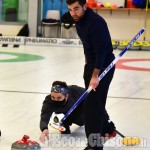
(76, 117)
(95, 113)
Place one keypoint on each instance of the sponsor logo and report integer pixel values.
(67, 42)
(94, 140)
(41, 41)
(11, 40)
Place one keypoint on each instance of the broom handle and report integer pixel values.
(102, 75)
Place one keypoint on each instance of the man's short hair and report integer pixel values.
(81, 2)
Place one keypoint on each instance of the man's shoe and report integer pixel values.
(89, 148)
(111, 135)
(107, 136)
(109, 128)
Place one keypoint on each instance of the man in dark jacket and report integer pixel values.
(60, 100)
(94, 34)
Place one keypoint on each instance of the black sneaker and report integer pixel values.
(109, 132)
(89, 148)
(109, 136)
(108, 129)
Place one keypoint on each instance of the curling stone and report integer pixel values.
(136, 45)
(122, 44)
(25, 144)
(114, 44)
(145, 46)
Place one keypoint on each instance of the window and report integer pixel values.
(14, 11)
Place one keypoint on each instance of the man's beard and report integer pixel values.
(77, 18)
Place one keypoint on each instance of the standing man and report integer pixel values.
(94, 34)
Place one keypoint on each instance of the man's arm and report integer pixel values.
(96, 72)
(46, 113)
(101, 42)
(94, 82)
